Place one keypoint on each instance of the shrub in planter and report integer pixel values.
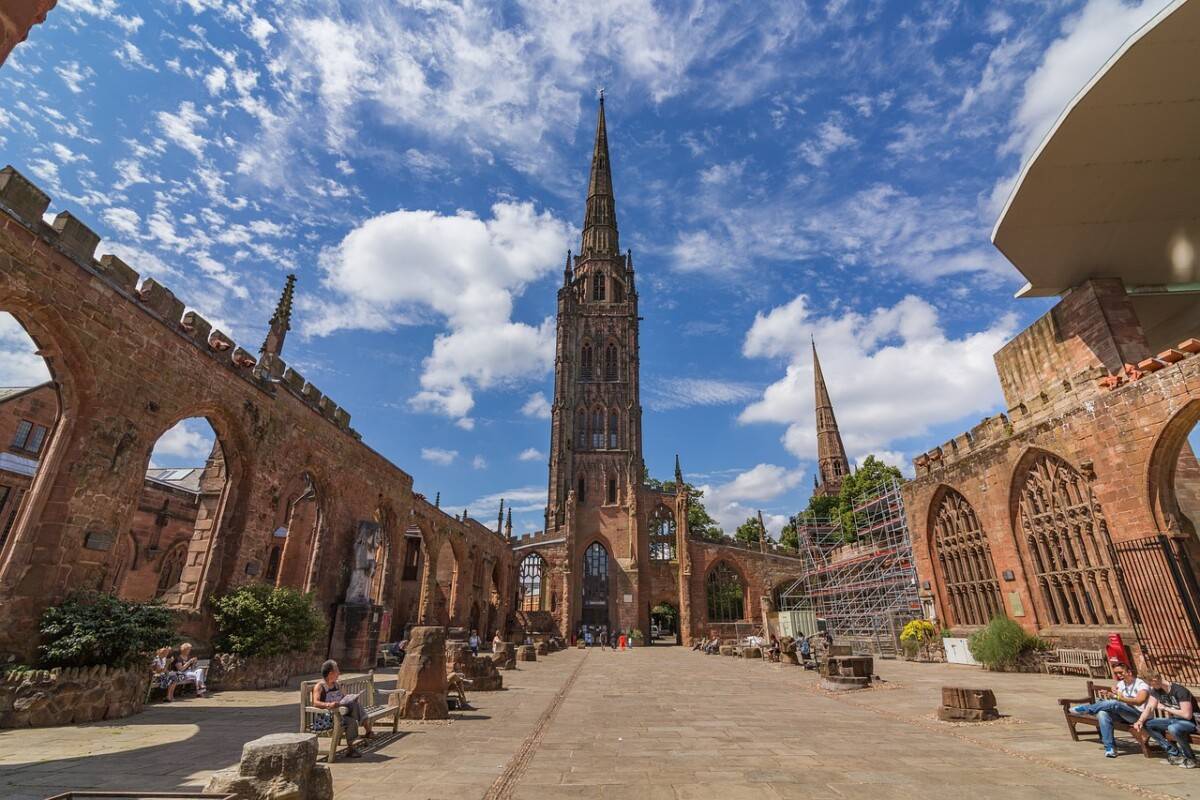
(262, 620)
(918, 636)
(1001, 643)
(92, 628)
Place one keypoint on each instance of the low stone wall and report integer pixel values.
(47, 697)
(230, 672)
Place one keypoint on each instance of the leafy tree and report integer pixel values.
(789, 536)
(90, 628)
(749, 531)
(700, 523)
(871, 476)
(261, 620)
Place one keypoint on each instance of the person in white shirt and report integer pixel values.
(1126, 702)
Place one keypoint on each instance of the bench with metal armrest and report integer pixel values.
(364, 687)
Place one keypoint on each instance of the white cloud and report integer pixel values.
(180, 128)
(130, 56)
(666, 394)
(216, 80)
(1088, 40)
(522, 500)
(479, 462)
(74, 75)
(531, 454)
(20, 365)
(537, 406)
(438, 455)
(727, 502)
(122, 220)
(186, 444)
(873, 366)
(831, 136)
(407, 266)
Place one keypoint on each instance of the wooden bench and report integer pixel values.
(1089, 663)
(201, 663)
(1141, 737)
(364, 686)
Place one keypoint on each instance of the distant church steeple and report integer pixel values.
(831, 453)
(600, 216)
(281, 320)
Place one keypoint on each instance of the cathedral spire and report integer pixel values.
(281, 320)
(831, 453)
(600, 218)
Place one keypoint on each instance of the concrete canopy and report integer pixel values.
(1113, 190)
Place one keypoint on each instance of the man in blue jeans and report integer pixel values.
(1179, 705)
(1126, 702)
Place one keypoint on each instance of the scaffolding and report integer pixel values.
(864, 584)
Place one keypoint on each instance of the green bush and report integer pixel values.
(90, 628)
(1000, 643)
(261, 620)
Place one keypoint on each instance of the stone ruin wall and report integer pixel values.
(129, 363)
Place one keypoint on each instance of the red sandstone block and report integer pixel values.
(1171, 356)
(1150, 365)
(1189, 346)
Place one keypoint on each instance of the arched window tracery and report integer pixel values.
(611, 371)
(581, 432)
(965, 557)
(171, 569)
(613, 431)
(597, 429)
(533, 583)
(1066, 539)
(726, 594)
(585, 362)
(598, 287)
(662, 535)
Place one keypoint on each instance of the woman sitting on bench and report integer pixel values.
(187, 668)
(163, 676)
(329, 695)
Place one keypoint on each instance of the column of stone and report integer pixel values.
(684, 559)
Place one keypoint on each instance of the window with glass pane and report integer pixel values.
(612, 432)
(662, 535)
(533, 570)
(22, 434)
(597, 430)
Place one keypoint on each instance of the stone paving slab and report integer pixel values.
(650, 723)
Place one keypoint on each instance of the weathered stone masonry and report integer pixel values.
(128, 364)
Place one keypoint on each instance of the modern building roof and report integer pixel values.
(185, 479)
(1113, 191)
(13, 392)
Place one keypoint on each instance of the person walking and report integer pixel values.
(473, 641)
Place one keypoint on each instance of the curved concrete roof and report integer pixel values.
(1114, 189)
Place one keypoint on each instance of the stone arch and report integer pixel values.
(300, 521)
(1171, 459)
(587, 360)
(74, 385)
(220, 522)
(534, 582)
(661, 534)
(448, 577)
(961, 556)
(170, 568)
(597, 582)
(1062, 536)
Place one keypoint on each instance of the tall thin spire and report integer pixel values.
(500, 518)
(281, 320)
(678, 473)
(600, 217)
(508, 524)
(831, 453)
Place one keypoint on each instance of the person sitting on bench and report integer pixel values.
(1126, 702)
(186, 665)
(329, 695)
(1180, 707)
(162, 676)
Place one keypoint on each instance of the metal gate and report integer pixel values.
(1164, 600)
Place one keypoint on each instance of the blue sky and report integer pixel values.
(781, 169)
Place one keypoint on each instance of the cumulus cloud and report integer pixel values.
(415, 266)
(479, 462)
(876, 367)
(122, 220)
(180, 128)
(727, 502)
(20, 365)
(531, 454)
(537, 406)
(185, 445)
(438, 455)
(522, 500)
(74, 75)
(831, 136)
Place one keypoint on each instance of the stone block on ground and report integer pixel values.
(526, 652)
(481, 670)
(952, 714)
(958, 697)
(422, 676)
(751, 652)
(728, 650)
(504, 655)
(276, 767)
(542, 648)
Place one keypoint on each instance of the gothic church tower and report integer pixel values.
(596, 426)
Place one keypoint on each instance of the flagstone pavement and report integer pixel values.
(656, 722)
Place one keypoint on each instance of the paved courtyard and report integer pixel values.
(651, 723)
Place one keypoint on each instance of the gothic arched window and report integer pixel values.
(585, 362)
(726, 594)
(533, 570)
(171, 568)
(273, 563)
(612, 490)
(618, 293)
(598, 287)
(597, 430)
(613, 431)
(965, 557)
(610, 363)
(581, 490)
(662, 535)
(1066, 540)
(581, 437)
